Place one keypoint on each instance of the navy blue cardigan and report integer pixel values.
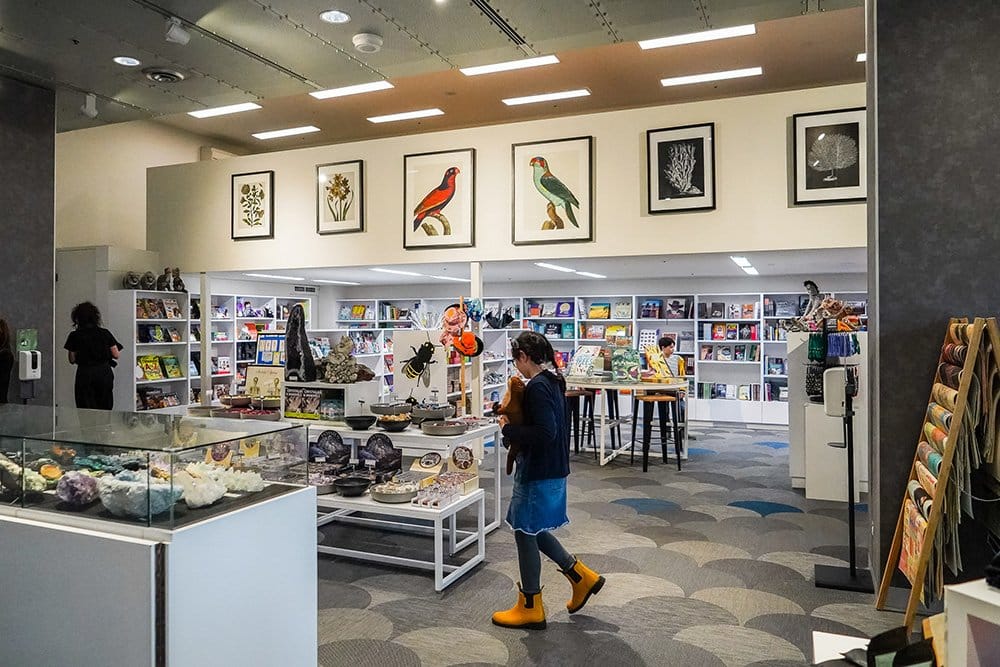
(543, 438)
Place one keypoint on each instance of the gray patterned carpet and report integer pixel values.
(710, 566)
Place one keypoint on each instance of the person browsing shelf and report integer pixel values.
(93, 349)
(538, 501)
(667, 347)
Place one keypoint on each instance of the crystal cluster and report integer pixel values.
(77, 489)
(126, 495)
(199, 491)
(238, 481)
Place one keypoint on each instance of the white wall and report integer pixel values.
(189, 205)
(101, 180)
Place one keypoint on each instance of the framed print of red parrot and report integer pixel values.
(439, 202)
(553, 191)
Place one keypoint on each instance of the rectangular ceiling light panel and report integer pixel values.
(511, 65)
(703, 36)
(712, 76)
(547, 97)
(222, 111)
(288, 132)
(352, 90)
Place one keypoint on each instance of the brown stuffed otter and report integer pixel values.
(512, 406)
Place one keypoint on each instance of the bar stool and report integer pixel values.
(661, 401)
(573, 397)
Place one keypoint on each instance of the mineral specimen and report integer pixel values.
(199, 491)
(77, 489)
(126, 494)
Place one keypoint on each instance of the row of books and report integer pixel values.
(155, 333)
(730, 331)
(357, 311)
(785, 306)
(158, 309)
(217, 335)
(391, 312)
(775, 391)
(674, 309)
(732, 392)
(219, 365)
(158, 367)
(154, 398)
(774, 332)
(561, 330)
(602, 332)
(730, 353)
(683, 340)
(730, 311)
(775, 366)
(561, 309)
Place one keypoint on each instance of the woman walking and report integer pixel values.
(93, 349)
(538, 503)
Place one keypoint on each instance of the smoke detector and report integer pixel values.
(367, 42)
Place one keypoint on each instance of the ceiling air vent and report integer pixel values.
(308, 289)
(163, 75)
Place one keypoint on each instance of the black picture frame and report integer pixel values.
(680, 169)
(252, 194)
(570, 160)
(423, 173)
(822, 140)
(334, 204)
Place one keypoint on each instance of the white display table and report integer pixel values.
(972, 612)
(79, 591)
(679, 386)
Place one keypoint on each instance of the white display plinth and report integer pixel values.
(972, 613)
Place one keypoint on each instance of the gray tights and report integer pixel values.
(530, 562)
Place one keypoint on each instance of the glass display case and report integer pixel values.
(151, 469)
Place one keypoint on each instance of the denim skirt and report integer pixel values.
(537, 506)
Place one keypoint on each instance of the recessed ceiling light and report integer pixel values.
(398, 272)
(555, 267)
(457, 280)
(588, 274)
(510, 65)
(703, 36)
(335, 16)
(273, 276)
(740, 261)
(531, 99)
(862, 57)
(287, 132)
(352, 90)
(712, 76)
(334, 282)
(406, 115)
(127, 61)
(751, 271)
(222, 111)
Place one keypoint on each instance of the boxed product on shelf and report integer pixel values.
(150, 365)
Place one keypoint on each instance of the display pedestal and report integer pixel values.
(973, 616)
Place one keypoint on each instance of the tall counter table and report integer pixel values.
(423, 520)
(679, 386)
(117, 590)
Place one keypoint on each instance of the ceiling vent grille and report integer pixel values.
(308, 289)
(163, 75)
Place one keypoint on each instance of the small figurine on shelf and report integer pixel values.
(177, 284)
(163, 282)
(148, 281)
(269, 313)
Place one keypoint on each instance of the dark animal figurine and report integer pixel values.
(148, 281)
(163, 282)
(299, 363)
(178, 284)
(512, 406)
(419, 364)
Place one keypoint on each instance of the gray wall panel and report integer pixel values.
(27, 210)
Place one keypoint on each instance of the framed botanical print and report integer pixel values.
(439, 199)
(252, 206)
(553, 191)
(340, 197)
(830, 156)
(680, 168)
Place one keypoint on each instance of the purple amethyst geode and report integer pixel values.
(77, 489)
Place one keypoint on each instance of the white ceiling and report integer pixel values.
(716, 265)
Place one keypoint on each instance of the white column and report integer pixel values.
(476, 292)
(205, 299)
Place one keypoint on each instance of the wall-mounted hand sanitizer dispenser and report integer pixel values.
(29, 366)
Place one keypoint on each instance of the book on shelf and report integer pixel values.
(196, 333)
(225, 365)
(171, 366)
(749, 311)
(622, 309)
(786, 307)
(157, 334)
(564, 309)
(616, 331)
(857, 307)
(648, 337)
(593, 331)
(140, 310)
(548, 309)
(747, 332)
(702, 310)
(719, 331)
(154, 309)
(193, 367)
(172, 309)
(718, 309)
(768, 307)
(584, 359)
(248, 331)
(743, 392)
(174, 334)
(150, 366)
(215, 365)
(552, 330)
(534, 309)
(803, 304)
(142, 333)
(566, 330)
(685, 342)
(724, 353)
(707, 353)
(732, 331)
(358, 312)
(599, 311)
(650, 309)
(739, 353)
(149, 398)
(735, 311)
(678, 309)
(774, 366)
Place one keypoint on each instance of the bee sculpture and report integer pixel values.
(418, 366)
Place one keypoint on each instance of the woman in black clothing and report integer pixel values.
(93, 349)
(538, 502)
(6, 360)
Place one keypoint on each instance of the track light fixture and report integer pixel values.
(176, 33)
(89, 108)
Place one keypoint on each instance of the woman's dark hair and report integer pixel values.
(665, 341)
(86, 314)
(538, 348)
(4, 335)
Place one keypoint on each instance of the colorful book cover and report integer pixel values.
(678, 310)
(734, 311)
(740, 353)
(622, 310)
(708, 352)
(615, 331)
(171, 366)
(594, 331)
(534, 309)
(141, 312)
(732, 331)
(583, 360)
(552, 330)
(749, 311)
(154, 309)
(224, 365)
(171, 309)
(746, 332)
(248, 331)
(719, 331)
(567, 330)
(743, 393)
(648, 337)
(174, 334)
(724, 353)
(650, 309)
(625, 363)
(549, 309)
(718, 309)
(157, 334)
(564, 309)
(150, 365)
(599, 311)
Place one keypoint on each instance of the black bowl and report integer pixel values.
(394, 426)
(360, 422)
(352, 486)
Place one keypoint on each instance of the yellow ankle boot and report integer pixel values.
(585, 583)
(527, 614)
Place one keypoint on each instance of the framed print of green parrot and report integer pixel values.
(553, 191)
(439, 199)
